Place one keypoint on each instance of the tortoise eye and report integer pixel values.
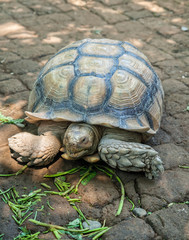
(84, 140)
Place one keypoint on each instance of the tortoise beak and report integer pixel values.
(74, 156)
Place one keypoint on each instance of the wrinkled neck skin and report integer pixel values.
(81, 139)
(122, 135)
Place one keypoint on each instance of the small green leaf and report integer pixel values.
(1, 236)
(76, 236)
(133, 205)
(61, 184)
(74, 224)
(10, 120)
(88, 178)
(45, 185)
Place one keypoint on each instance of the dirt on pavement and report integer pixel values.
(30, 33)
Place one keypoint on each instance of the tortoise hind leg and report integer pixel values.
(130, 156)
(34, 150)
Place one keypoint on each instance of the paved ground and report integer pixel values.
(30, 32)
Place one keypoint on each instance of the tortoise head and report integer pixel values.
(80, 140)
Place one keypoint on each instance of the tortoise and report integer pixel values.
(94, 99)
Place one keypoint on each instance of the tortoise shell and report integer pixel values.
(99, 81)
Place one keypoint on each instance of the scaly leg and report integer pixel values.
(34, 150)
(130, 156)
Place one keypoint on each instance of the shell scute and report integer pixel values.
(95, 65)
(99, 81)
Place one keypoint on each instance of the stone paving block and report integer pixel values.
(162, 26)
(131, 192)
(99, 191)
(176, 6)
(172, 155)
(176, 86)
(66, 7)
(182, 38)
(85, 17)
(164, 188)
(11, 86)
(109, 15)
(4, 17)
(152, 203)
(166, 45)
(168, 30)
(24, 66)
(161, 137)
(131, 229)
(153, 23)
(4, 76)
(135, 6)
(41, 9)
(109, 212)
(36, 51)
(179, 132)
(186, 61)
(155, 54)
(6, 131)
(8, 46)
(29, 21)
(171, 223)
(55, 17)
(154, 7)
(17, 10)
(10, 28)
(138, 14)
(160, 72)
(177, 102)
(111, 2)
(123, 8)
(8, 57)
(89, 211)
(134, 29)
(78, 3)
(29, 79)
(22, 103)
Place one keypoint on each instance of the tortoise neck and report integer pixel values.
(121, 134)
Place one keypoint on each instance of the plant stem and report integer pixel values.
(122, 190)
(133, 205)
(187, 167)
(61, 193)
(71, 171)
(56, 226)
(46, 185)
(100, 234)
(122, 196)
(48, 204)
(84, 176)
(14, 174)
(31, 195)
(5, 191)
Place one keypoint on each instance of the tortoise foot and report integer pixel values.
(129, 156)
(33, 150)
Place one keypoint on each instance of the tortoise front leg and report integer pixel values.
(130, 156)
(34, 150)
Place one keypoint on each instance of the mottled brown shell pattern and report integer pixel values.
(102, 82)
